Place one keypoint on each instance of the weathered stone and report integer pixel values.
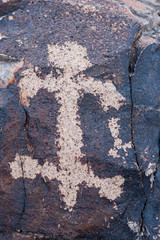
(7, 6)
(12, 139)
(146, 122)
(71, 170)
(148, 12)
(8, 67)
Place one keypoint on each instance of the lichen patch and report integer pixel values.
(134, 226)
(150, 172)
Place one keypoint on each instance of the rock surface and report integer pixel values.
(148, 12)
(7, 6)
(79, 122)
(146, 117)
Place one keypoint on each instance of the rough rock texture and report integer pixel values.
(148, 12)
(145, 93)
(7, 6)
(79, 105)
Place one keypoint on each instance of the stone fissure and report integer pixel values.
(24, 197)
(131, 71)
(26, 118)
(143, 228)
(132, 135)
(143, 232)
(134, 56)
(23, 174)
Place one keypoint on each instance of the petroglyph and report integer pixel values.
(70, 84)
(69, 178)
(114, 128)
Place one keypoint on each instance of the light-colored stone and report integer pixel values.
(7, 70)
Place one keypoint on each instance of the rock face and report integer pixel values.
(7, 6)
(79, 123)
(148, 12)
(145, 85)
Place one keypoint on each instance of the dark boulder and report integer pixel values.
(69, 156)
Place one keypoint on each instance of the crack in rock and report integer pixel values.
(131, 70)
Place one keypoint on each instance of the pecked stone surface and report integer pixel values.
(69, 168)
